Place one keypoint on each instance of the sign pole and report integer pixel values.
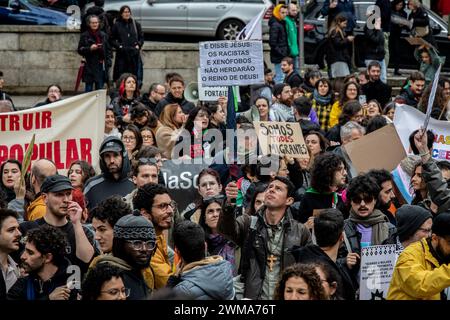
(301, 36)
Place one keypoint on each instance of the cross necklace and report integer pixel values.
(272, 246)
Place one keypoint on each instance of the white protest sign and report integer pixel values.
(231, 63)
(407, 119)
(212, 93)
(67, 130)
(377, 267)
(281, 138)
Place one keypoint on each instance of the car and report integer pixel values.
(210, 18)
(315, 32)
(29, 12)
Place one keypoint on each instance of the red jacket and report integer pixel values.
(444, 7)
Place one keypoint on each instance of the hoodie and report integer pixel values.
(208, 279)
(105, 185)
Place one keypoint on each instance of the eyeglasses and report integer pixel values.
(141, 245)
(116, 292)
(165, 206)
(367, 199)
(128, 138)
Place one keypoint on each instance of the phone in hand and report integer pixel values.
(362, 99)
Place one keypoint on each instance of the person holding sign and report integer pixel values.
(422, 271)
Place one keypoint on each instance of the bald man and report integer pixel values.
(40, 169)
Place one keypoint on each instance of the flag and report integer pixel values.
(253, 29)
(431, 98)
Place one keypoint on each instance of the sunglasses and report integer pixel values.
(358, 200)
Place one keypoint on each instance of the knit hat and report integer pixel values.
(441, 224)
(409, 219)
(134, 227)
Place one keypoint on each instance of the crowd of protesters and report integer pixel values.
(264, 227)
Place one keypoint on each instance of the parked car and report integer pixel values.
(221, 19)
(29, 12)
(315, 32)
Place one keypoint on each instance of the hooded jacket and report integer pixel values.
(418, 275)
(278, 39)
(105, 185)
(36, 209)
(32, 287)
(208, 279)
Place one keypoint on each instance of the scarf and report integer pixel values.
(218, 245)
(377, 220)
(323, 101)
(335, 199)
(98, 41)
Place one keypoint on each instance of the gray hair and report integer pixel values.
(346, 129)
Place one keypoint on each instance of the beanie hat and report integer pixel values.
(134, 227)
(409, 219)
(441, 224)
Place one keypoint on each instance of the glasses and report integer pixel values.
(367, 199)
(141, 245)
(128, 138)
(165, 206)
(116, 292)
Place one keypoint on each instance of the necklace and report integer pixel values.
(272, 246)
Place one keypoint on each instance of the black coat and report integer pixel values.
(420, 19)
(374, 44)
(187, 106)
(278, 42)
(313, 253)
(396, 29)
(294, 80)
(98, 61)
(377, 90)
(385, 11)
(339, 49)
(124, 38)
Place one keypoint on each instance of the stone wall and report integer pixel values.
(32, 57)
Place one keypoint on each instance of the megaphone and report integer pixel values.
(191, 92)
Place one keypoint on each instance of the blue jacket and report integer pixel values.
(208, 279)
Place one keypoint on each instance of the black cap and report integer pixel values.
(111, 146)
(56, 183)
(441, 224)
(409, 219)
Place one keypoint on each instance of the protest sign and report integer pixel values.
(377, 267)
(407, 119)
(212, 93)
(231, 63)
(65, 131)
(431, 98)
(281, 138)
(381, 149)
(181, 180)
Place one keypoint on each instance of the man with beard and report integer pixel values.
(114, 179)
(386, 196)
(283, 94)
(9, 243)
(422, 271)
(65, 215)
(175, 95)
(133, 246)
(328, 176)
(412, 92)
(366, 225)
(155, 204)
(44, 262)
(376, 89)
(155, 94)
(292, 78)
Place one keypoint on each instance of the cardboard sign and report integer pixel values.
(281, 138)
(67, 130)
(407, 119)
(381, 149)
(377, 267)
(212, 93)
(231, 63)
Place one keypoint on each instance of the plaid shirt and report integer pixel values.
(323, 114)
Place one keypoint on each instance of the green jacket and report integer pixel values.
(291, 30)
(429, 70)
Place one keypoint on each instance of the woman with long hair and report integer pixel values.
(10, 170)
(128, 98)
(440, 103)
(79, 172)
(350, 91)
(339, 53)
(197, 124)
(322, 102)
(54, 93)
(132, 140)
(418, 185)
(172, 118)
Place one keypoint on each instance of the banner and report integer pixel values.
(281, 138)
(212, 93)
(66, 130)
(231, 63)
(181, 180)
(377, 267)
(407, 119)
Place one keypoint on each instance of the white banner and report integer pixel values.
(231, 63)
(377, 267)
(407, 119)
(212, 93)
(67, 130)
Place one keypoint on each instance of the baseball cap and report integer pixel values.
(111, 146)
(56, 183)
